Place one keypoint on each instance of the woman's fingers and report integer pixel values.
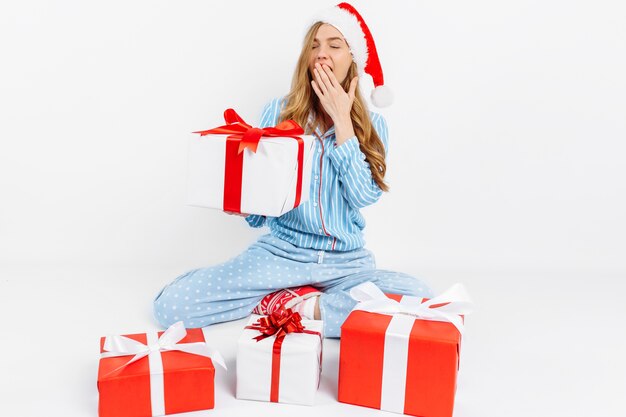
(325, 78)
(320, 82)
(329, 76)
(316, 89)
(333, 97)
(352, 90)
(232, 213)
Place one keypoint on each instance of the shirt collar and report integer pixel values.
(329, 132)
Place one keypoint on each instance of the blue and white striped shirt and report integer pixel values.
(341, 184)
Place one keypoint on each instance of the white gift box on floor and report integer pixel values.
(300, 365)
(269, 176)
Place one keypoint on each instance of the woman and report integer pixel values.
(314, 253)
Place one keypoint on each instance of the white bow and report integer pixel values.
(124, 346)
(455, 302)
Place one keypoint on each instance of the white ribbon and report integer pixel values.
(456, 300)
(370, 298)
(115, 346)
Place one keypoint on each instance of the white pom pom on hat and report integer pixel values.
(382, 96)
(349, 22)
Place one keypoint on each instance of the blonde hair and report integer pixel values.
(302, 100)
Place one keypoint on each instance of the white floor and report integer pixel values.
(539, 344)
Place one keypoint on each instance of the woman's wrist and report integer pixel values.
(343, 130)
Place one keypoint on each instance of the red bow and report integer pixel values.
(249, 136)
(280, 323)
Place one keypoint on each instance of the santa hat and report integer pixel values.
(349, 22)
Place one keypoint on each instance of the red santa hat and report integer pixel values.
(349, 22)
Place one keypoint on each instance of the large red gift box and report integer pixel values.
(161, 382)
(399, 363)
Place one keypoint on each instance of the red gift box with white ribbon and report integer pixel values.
(401, 353)
(156, 373)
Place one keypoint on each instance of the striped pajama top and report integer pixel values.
(341, 184)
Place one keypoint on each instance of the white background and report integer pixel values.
(506, 170)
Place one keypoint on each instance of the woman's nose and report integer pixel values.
(321, 54)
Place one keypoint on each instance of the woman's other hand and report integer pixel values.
(232, 213)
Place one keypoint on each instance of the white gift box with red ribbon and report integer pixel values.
(242, 169)
(299, 365)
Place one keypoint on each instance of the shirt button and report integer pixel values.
(316, 177)
(321, 230)
(315, 204)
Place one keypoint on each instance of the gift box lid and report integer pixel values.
(376, 323)
(173, 361)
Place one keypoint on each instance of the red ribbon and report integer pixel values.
(279, 324)
(242, 136)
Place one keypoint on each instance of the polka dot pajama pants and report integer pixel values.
(229, 291)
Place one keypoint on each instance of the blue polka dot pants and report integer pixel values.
(230, 290)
